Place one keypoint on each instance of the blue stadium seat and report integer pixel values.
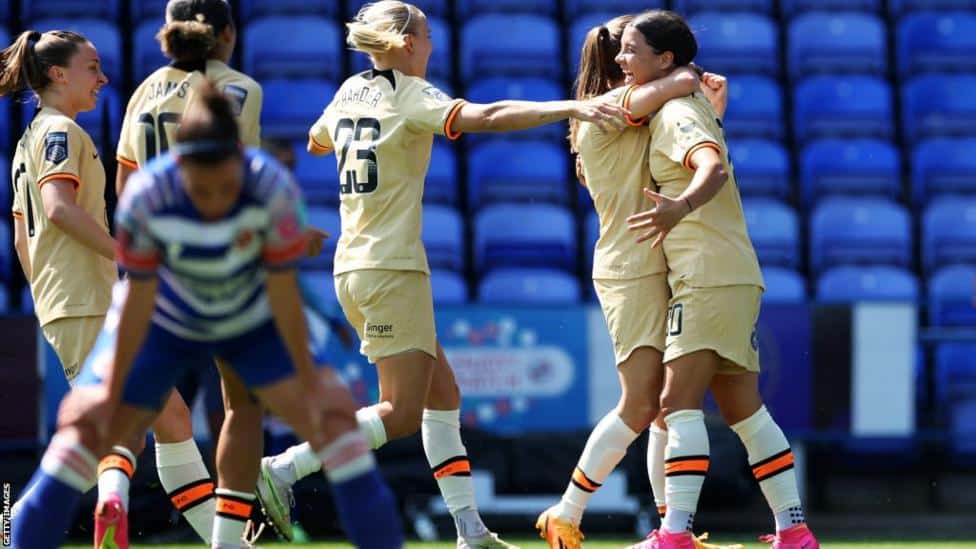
(436, 8)
(6, 190)
(791, 7)
(939, 105)
(317, 176)
(576, 7)
(872, 283)
(442, 185)
(439, 65)
(591, 233)
(145, 10)
(579, 28)
(736, 42)
(322, 285)
(26, 301)
(755, 108)
(936, 42)
(839, 42)
(146, 53)
(443, 236)
(528, 287)
(312, 8)
(471, 8)
(544, 235)
(312, 48)
(448, 287)
(513, 45)
(292, 106)
(943, 166)
(688, 7)
(899, 7)
(4, 300)
(762, 168)
(850, 166)
(32, 10)
(783, 286)
(104, 35)
(842, 106)
(952, 296)
(6, 253)
(104, 124)
(5, 121)
(508, 171)
(328, 220)
(4, 14)
(949, 232)
(955, 370)
(528, 89)
(774, 230)
(859, 231)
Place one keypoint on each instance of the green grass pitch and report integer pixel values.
(606, 544)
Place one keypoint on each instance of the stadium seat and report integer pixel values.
(900, 7)
(952, 296)
(322, 284)
(783, 286)
(574, 8)
(527, 89)
(842, 106)
(438, 67)
(509, 171)
(471, 8)
(6, 190)
(104, 124)
(442, 183)
(251, 9)
(145, 10)
(871, 283)
(939, 105)
(736, 42)
(436, 8)
(443, 236)
(762, 168)
(32, 10)
(292, 106)
(513, 235)
(26, 301)
(936, 42)
(792, 7)
(774, 230)
(328, 220)
(4, 300)
(6, 253)
(104, 35)
(850, 166)
(591, 233)
(755, 108)
(838, 42)
(688, 7)
(512, 45)
(528, 287)
(949, 232)
(146, 55)
(312, 48)
(860, 230)
(579, 28)
(5, 124)
(448, 287)
(317, 176)
(943, 166)
(4, 14)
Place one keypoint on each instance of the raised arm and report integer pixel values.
(648, 98)
(60, 207)
(506, 116)
(716, 90)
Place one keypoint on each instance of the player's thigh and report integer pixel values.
(73, 339)
(737, 396)
(405, 379)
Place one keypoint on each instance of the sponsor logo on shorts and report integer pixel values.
(379, 330)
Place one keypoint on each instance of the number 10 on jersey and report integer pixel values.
(364, 133)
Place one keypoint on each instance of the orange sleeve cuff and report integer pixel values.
(17, 215)
(126, 162)
(69, 176)
(316, 146)
(626, 105)
(698, 147)
(450, 122)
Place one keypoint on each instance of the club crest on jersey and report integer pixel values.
(243, 238)
(56, 147)
(436, 93)
(238, 96)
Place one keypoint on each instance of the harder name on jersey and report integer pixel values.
(366, 95)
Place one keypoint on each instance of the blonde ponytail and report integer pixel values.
(379, 27)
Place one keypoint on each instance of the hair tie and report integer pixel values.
(204, 146)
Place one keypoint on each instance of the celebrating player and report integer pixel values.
(381, 125)
(716, 287)
(209, 235)
(629, 278)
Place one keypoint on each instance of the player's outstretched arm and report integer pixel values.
(648, 98)
(285, 298)
(506, 116)
(61, 208)
(134, 319)
(20, 244)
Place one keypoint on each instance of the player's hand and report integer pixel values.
(579, 170)
(606, 116)
(716, 90)
(316, 238)
(656, 223)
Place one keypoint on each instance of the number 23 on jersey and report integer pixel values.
(362, 133)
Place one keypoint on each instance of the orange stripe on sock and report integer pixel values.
(769, 468)
(452, 467)
(192, 494)
(116, 461)
(233, 508)
(688, 466)
(662, 510)
(584, 483)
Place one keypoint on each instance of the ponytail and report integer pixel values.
(25, 63)
(187, 41)
(598, 69)
(381, 26)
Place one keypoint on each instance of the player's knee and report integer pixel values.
(404, 421)
(638, 413)
(173, 424)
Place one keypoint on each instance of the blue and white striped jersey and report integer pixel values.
(211, 273)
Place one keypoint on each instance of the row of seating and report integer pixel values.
(154, 9)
